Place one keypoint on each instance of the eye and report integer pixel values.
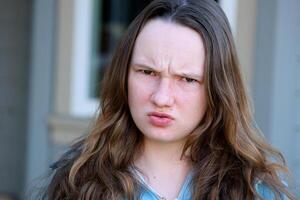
(189, 80)
(148, 72)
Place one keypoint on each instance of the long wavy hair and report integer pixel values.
(227, 160)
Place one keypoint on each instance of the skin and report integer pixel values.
(166, 78)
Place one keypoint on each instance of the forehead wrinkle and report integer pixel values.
(165, 62)
(183, 71)
(166, 66)
(159, 50)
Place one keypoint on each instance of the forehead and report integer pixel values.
(163, 43)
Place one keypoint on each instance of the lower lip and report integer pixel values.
(160, 121)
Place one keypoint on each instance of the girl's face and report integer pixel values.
(166, 93)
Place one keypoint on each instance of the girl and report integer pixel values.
(174, 120)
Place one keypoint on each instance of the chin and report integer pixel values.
(164, 138)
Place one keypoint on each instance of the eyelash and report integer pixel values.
(147, 72)
(152, 73)
(189, 80)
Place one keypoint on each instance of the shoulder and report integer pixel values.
(266, 192)
(68, 157)
(59, 184)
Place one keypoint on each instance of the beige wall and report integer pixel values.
(65, 128)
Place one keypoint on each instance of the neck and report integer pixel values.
(162, 158)
(163, 168)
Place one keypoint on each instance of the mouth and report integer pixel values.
(160, 119)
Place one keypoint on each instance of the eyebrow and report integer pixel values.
(183, 74)
(145, 66)
(193, 76)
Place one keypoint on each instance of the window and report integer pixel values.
(99, 24)
(111, 19)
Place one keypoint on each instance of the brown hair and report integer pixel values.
(228, 152)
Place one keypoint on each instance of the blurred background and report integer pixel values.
(52, 56)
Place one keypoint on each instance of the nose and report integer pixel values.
(163, 95)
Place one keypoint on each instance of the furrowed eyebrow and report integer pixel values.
(189, 75)
(144, 66)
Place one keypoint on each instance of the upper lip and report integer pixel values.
(160, 114)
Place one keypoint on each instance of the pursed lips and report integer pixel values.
(160, 119)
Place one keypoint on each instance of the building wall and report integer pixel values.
(40, 94)
(276, 79)
(15, 17)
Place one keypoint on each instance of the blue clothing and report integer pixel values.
(150, 194)
(185, 194)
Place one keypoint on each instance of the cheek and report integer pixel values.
(138, 91)
(194, 104)
(140, 86)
